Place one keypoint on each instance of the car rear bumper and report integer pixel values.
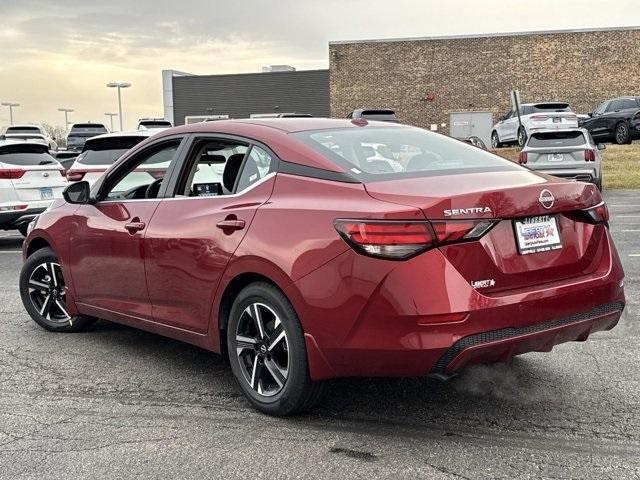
(571, 174)
(12, 220)
(397, 323)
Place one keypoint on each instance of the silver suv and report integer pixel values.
(569, 153)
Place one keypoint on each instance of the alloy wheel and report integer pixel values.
(621, 133)
(494, 140)
(262, 348)
(47, 292)
(522, 137)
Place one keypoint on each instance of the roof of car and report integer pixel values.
(7, 142)
(130, 133)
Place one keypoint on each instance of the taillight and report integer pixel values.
(595, 215)
(11, 173)
(397, 240)
(75, 176)
(589, 155)
(387, 239)
(522, 158)
(539, 118)
(63, 173)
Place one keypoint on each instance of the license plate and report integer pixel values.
(46, 193)
(557, 119)
(537, 234)
(555, 157)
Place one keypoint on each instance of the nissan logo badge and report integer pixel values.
(546, 199)
(45, 174)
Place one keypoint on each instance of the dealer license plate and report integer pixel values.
(537, 234)
(46, 193)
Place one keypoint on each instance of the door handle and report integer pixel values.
(135, 226)
(231, 224)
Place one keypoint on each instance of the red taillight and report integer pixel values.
(522, 158)
(75, 176)
(589, 155)
(539, 118)
(599, 213)
(63, 173)
(11, 173)
(403, 239)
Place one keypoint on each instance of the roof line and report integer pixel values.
(252, 73)
(486, 35)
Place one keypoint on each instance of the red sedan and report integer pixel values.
(308, 249)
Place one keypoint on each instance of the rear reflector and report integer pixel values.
(589, 155)
(11, 173)
(397, 240)
(522, 158)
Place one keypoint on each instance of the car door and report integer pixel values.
(596, 124)
(192, 236)
(611, 116)
(510, 127)
(107, 241)
(501, 126)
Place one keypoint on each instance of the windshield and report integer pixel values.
(557, 139)
(378, 153)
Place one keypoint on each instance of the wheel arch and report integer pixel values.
(35, 244)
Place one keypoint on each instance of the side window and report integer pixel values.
(212, 168)
(257, 165)
(613, 106)
(144, 177)
(628, 103)
(600, 109)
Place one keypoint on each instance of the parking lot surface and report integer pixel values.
(114, 402)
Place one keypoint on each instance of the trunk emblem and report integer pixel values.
(546, 199)
(45, 174)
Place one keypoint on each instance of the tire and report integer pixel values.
(621, 134)
(277, 338)
(43, 269)
(23, 229)
(522, 137)
(495, 140)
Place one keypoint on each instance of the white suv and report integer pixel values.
(534, 117)
(30, 179)
(24, 132)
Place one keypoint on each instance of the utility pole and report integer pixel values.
(119, 86)
(11, 106)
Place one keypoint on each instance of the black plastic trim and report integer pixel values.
(291, 168)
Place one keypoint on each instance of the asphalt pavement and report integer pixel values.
(114, 402)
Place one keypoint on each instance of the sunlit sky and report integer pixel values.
(62, 53)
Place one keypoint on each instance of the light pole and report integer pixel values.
(111, 115)
(10, 105)
(119, 85)
(66, 111)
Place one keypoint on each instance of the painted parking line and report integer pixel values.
(10, 251)
(630, 230)
(634, 254)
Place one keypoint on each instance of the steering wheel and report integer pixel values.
(153, 189)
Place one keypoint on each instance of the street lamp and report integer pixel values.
(119, 85)
(111, 115)
(66, 111)
(10, 105)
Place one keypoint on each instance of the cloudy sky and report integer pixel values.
(62, 53)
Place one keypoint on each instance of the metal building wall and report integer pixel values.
(239, 95)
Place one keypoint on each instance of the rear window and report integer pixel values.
(105, 151)
(87, 130)
(557, 139)
(23, 130)
(101, 157)
(155, 124)
(387, 115)
(379, 153)
(25, 155)
(550, 107)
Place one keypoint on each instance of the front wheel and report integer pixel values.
(43, 292)
(267, 352)
(495, 140)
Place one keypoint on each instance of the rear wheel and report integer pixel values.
(267, 352)
(495, 140)
(522, 137)
(622, 134)
(43, 291)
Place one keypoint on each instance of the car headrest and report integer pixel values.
(250, 174)
(231, 170)
(422, 161)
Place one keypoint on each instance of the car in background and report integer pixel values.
(570, 154)
(153, 123)
(475, 141)
(100, 152)
(534, 117)
(34, 131)
(615, 120)
(299, 263)
(379, 114)
(65, 157)
(29, 137)
(30, 179)
(80, 132)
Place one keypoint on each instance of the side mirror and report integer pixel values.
(77, 193)
(601, 146)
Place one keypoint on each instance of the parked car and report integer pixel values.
(534, 117)
(30, 179)
(570, 154)
(19, 131)
(29, 137)
(100, 152)
(300, 264)
(152, 123)
(380, 114)
(80, 132)
(65, 157)
(475, 141)
(615, 120)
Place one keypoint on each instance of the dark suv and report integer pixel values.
(80, 132)
(615, 120)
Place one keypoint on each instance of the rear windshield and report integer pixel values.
(155, 124)
(379, 115)
(23, 130)
(550, 107)
(557, 139)
(379, 153)
(86, 130)
(105, 151)
(101, 157)
(24, 155)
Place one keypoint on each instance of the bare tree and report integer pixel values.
(57, 132)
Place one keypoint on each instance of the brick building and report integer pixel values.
(426, 80)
